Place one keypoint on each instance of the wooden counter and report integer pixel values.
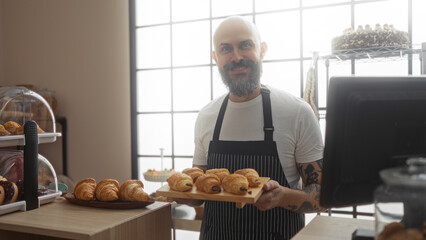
(329, 228)
(63, 220)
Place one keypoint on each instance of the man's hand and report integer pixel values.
(271, 196)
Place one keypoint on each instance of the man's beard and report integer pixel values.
(242, 87)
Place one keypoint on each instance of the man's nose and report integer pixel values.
(236, 56)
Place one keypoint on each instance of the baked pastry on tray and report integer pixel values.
(107, 190)
(251, 175)
(235, 184)
(132, 190)
(85, 189)
(194, 172)
(208, 183)
(180, 182)
(220, 172)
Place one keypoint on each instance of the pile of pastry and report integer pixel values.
(14, 128)
(213, 180)
(8, 191)
(109, 190)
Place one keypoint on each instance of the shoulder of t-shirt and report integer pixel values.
(212, 108)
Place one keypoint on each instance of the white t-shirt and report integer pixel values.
(296, 133)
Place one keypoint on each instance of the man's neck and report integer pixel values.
(234, 98)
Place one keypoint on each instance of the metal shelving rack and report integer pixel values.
(379, 54)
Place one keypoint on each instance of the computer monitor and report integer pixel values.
(372, 123)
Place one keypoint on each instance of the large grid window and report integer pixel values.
(173, 75)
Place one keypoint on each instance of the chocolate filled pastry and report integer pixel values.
(12, 127)
(107, 190)
(251, 175)
(132, 190)
(194, 173)
(85, 189)
(180, 182)
(208, 183)
(236, 184)
(10, 191)
(220, 172)
(3, 131)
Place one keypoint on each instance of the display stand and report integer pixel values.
(31, 166)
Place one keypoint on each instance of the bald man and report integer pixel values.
(259, 127)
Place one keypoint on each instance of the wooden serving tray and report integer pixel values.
(115, 205)
(240, 200)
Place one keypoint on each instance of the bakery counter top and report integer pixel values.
(63, 220)
(184, 218)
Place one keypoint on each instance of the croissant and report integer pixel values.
(3, 131)
(12, 127)
(107, 190)
(236, 184)
(180, 182)
(132, 190)
(220, 172)
(20, 130)
(194, 172)
(251, 175)
(208, 183)
(85, 189)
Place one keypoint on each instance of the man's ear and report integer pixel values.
(263, 48)
(214, 56)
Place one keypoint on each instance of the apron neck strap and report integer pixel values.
(268, 127)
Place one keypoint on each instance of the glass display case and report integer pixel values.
(26, 120)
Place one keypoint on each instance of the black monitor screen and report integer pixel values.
(372, 123)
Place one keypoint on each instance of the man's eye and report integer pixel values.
(246, 45)
(225, 49)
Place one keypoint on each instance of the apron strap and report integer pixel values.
(268, 127)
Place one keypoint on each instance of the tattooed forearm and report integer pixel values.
(311, 204)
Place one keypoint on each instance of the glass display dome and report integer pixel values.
(19, 105)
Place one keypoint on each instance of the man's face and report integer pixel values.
(238, 57)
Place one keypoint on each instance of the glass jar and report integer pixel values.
(400, 202)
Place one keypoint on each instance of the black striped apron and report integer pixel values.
(222, 220)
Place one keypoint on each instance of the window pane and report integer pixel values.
(191, 43)
(387, 68)
(146, 163)
(153, 91)
(154, 132)
(280, 44)
(184, 133)
(273, 5)
(152, 12)
(191, 88)
(219, 87)
(181, 12)
(283, 75)
(318, 31)
(153, 47)
(323, 2)
(234, 7)
(182, 163)
(367, 13)
(419, 20)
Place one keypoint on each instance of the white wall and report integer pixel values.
(80, 50)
